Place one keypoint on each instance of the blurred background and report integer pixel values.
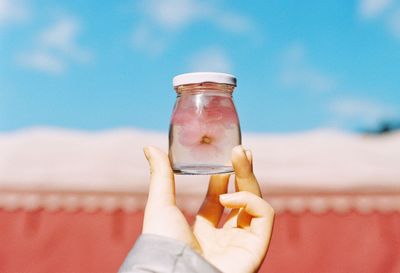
(84, 85)
(98, 64)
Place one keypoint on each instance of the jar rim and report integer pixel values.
(204, 87)
(204, 77)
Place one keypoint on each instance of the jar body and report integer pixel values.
(204, 128)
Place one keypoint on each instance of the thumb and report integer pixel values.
(244, 177)
(162, 184)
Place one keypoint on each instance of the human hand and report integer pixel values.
(244, 238)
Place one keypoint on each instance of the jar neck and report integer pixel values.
(204, 87)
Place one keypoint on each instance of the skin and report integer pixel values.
(240, 245)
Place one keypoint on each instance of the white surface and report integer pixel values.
(113, 161)
(200, 77)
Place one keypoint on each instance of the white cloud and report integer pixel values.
(13, 11)
(42, 61)
(176, 14)
(167, 18)
(386, 12)
(298, 73)
(233, 22)
(367, 112)
(62, 37)
(372, 8)
(211, 59)
(145, 39)
(55, 47)
(394, 23)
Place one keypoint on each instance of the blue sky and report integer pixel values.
(301, 65)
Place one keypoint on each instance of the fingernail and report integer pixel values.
(249, 155)
(243, 149)
(146, 152)
(238, 148)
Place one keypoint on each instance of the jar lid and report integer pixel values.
(200, 77)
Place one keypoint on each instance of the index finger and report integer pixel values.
(262, 213)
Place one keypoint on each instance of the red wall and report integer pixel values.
(65, 242)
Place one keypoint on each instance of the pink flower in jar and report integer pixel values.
(221, 110)
(202, 122)
(217, 109)
(204, 140)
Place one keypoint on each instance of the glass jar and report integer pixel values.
(204, 125)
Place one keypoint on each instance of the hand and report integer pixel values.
(241, 244)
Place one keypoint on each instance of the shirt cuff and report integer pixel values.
(154, 253)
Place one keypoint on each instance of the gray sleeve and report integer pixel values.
(158, 254)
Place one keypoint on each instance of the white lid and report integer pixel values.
(199, 77)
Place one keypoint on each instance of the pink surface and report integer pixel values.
(40, 241)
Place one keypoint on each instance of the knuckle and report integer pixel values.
(247, 194)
